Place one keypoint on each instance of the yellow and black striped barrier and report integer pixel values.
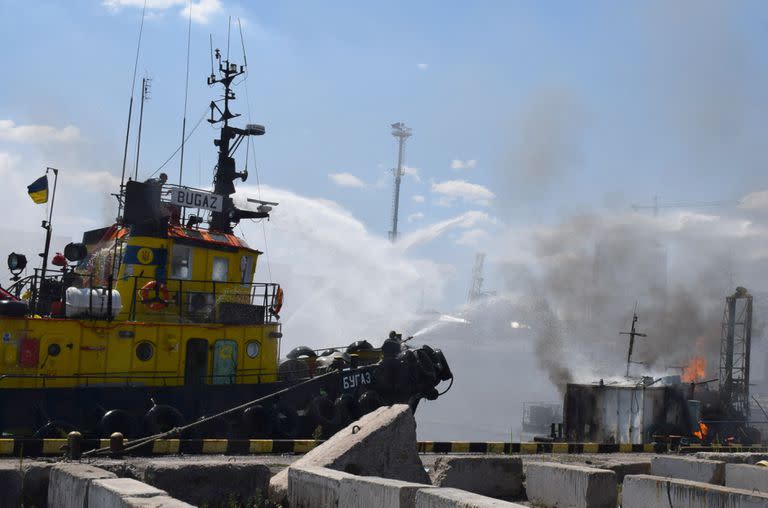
(48, 447)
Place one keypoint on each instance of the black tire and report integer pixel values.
(286, 421)
(55, 429)
(13, 308)
(117, 420)
(292, 370)
(301, 351)
(370, 401)
(257, 421)
(346, 409)
(322, 412)
(359, 345)
(426, 366)
(409, 368)
(444, 371)
(162, 418)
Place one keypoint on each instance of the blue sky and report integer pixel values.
(562, 107)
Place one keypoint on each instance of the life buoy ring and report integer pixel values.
(154, 295)
(277, 302)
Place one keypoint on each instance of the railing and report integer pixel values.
(201, 301)
(145, 298)
(144, 377)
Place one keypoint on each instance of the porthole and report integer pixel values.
(252, 349)
(145, 351)
(54, 350)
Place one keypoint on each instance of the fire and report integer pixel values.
(695, 370)
(703, 431)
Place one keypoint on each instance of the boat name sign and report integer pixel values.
(196, 199)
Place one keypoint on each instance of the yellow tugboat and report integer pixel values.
(156, 321)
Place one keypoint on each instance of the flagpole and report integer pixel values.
(47, 227)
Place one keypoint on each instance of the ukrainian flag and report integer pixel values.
(38, 190)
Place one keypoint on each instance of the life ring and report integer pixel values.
(158, 300)
(277, 304)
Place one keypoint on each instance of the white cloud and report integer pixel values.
(202, 10)
(346, 180)
(458, 164)
(418, 198)
(415, 216)
(453, 190)
(422, 66)
(755, 201)
(412, 172)
(9, 131)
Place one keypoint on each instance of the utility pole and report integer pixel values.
(632, 334)
(401, 132)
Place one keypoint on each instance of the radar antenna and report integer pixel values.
(228, 142)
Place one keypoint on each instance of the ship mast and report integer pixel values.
(228, 142)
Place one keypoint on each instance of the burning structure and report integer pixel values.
(686, 405)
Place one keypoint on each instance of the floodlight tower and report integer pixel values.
(401, 132)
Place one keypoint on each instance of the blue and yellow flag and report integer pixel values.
(38, 190)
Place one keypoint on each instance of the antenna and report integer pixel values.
(186, 96)
(146, 87)
(632, 334)
(401, 132)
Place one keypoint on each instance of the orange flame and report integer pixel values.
(703, 431)
(695, 370)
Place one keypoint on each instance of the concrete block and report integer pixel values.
(154, 502)
(645, 491)
(554, 484)
(36, 481)
(11, 484)
(208, 482)
(381, 443)
(624, 468)
(312, 486)
(118, 492)
(685, 468)
(489, 476)
(455, 498)
(367, 491)
(733, 457)
(68, 484)
(746, 476)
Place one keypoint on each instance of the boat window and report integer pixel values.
(220, 271)
(181, 262)
(246, 266)
(216, 237)
(253, 348)
(145, 351)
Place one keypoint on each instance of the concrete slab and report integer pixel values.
(11, 484)
(314, 487)
(746, 476)
(209, 482)
(552, 484)
(455, 498)
(69, 483)
(381, 443)
(367, 491)
(686, 468)
(646, 491)
(154, 502)
(733, 457)
(111, 493)
(488, 476)
(36, 481)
